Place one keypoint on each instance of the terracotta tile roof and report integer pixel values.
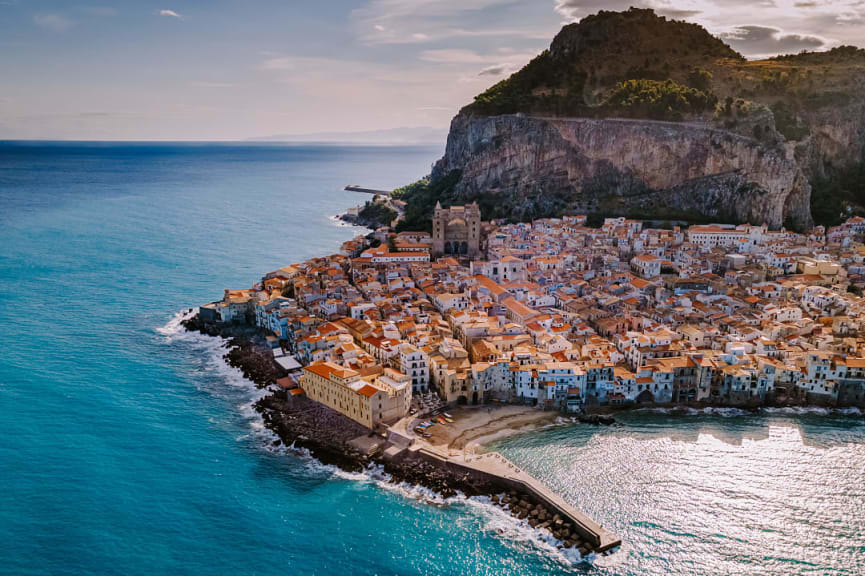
(368, 391)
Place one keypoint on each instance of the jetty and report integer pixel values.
(494, 468)
(495, 464)
(361, 189)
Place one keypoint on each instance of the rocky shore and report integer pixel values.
(247, 350)
(301, 423)
(357, 220)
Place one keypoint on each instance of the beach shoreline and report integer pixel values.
(334, 439)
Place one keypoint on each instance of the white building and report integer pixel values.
(415, 364)
(646, 265)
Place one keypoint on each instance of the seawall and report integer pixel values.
(494, 469)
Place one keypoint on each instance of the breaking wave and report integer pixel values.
(730, 412)
(220, 378)
(725, 412)
(495, 519)
(818, 410)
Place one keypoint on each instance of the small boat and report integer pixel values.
(449, 420)
(427, 435)
(448, 415)
(442, 420)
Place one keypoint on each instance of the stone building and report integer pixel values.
(457, 230)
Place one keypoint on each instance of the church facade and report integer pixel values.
(457, 230)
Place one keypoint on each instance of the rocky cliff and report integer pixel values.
(629, 113)
(528, 167)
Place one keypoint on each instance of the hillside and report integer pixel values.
(589, 60)
(631, 113)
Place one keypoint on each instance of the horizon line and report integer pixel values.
(243, 141)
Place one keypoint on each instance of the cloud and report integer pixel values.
(452, 56)
(53, 21)
(756, 40)
(496, 63)
(426, 21)
(279, 63)
(171, 14)
(678, 14)
(675, 9)
(497, 70)
(853, 15)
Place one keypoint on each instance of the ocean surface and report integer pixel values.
(128, 447)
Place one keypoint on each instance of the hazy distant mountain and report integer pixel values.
(393, 136)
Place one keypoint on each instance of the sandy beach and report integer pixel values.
(474, 427)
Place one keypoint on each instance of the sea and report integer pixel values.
(129, 447)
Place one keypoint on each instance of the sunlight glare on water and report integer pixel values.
(129, 447)
(714, 495)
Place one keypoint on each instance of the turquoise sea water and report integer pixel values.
(129, 447)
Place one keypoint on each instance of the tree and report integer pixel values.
(700, 79)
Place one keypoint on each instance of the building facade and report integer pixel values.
(457, 230)
(383, 401)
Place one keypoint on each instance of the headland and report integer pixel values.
(412, 351)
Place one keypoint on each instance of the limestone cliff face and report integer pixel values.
(836, 140)
(526, 167)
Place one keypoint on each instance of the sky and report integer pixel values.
(238, 69)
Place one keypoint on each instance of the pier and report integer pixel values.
(498, 469)
(356, 188)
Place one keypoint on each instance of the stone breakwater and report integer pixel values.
(302, 423)
(327, 435)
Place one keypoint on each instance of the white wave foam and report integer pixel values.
(727, 412)
(500, 521)
(174, 326)
(719, 411)
(337, 221)
(817, 410)
(730, 412)
(212, 350)
(497, 520)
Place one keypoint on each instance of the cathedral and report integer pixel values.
(457, 230)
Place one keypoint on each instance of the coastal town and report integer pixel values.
(415, 350)
(559, 316)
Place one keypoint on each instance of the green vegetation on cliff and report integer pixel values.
(610, 54)
(524, 91)
(421, 197)
(636, 64)
(838, 195)
(601, 53)
(660, 100)
(376, 214)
